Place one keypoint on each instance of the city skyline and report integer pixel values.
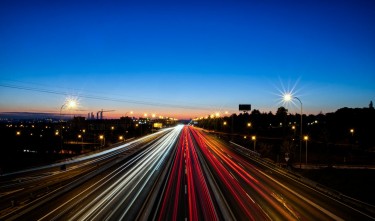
(186, 60)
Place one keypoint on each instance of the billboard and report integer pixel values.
(245, 107)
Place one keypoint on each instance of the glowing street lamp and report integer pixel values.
(102, 140)
(352, 131)
(81, 137)
(126, 114)
(294, 131)
(69, 103)
(254, 139)
(225, 123)
(306, 138)
(288, 97)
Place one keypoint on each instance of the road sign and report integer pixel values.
(286, 157)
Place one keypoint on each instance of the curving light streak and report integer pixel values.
(230, 164)
(131, 183)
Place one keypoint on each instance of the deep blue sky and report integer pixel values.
(203, 57)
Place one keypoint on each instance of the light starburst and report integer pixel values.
(71, 102)
(287, 93)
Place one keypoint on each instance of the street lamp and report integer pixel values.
(306, 138)
(102, 140)
(69, 103)
(126, 114)
(81, 137)
(254, 139)
(352, 131)
(288, 97)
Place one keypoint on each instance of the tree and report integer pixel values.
(371, 105)
(281, 115)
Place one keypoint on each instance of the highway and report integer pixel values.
(108, 184)
(259, 191)
(180, 173)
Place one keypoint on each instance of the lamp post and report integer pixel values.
(294, 130)
(306, 138)
(102, 140)
(289, 97)
(81, 137)
(70, 103)
(254, 139)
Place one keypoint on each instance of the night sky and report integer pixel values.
(185, 58)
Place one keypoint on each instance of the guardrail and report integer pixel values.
(323, 189)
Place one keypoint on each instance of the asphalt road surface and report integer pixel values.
(180, 173)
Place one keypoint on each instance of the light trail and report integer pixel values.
(187, 168)
(128, 183)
